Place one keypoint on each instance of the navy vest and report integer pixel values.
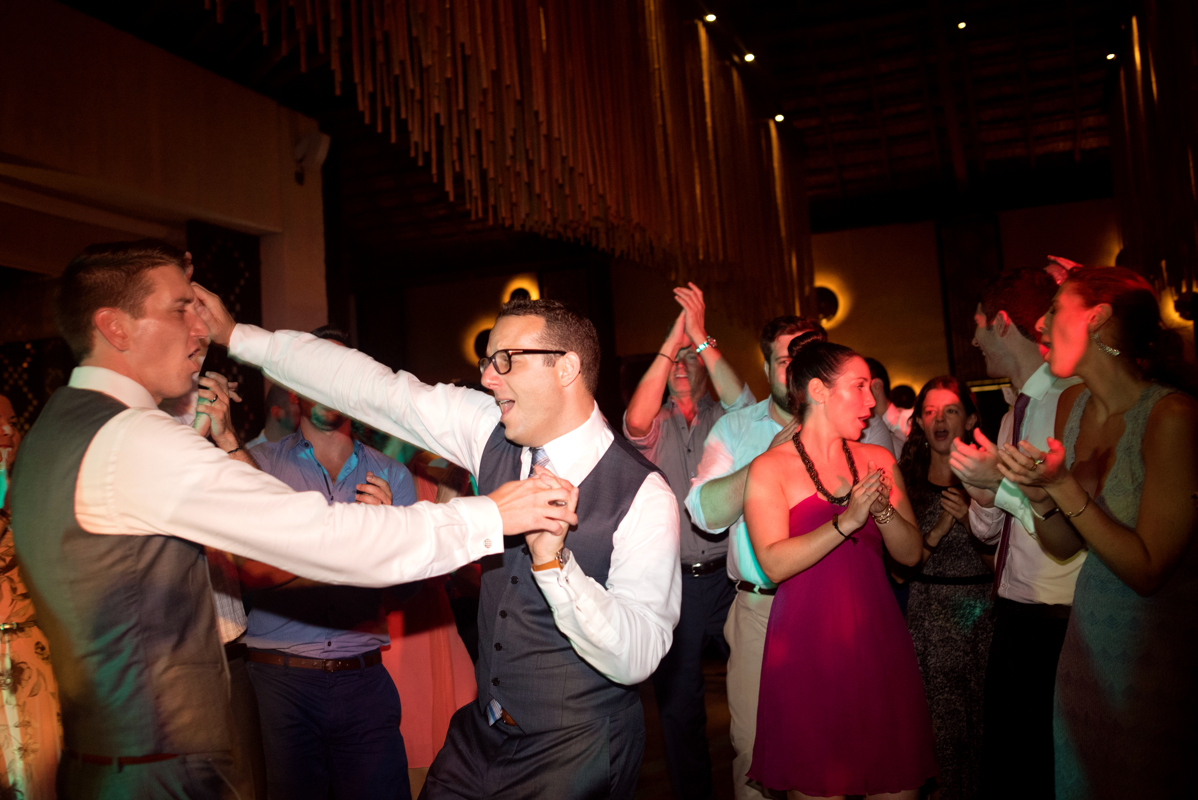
(130, 619)
(524, 661)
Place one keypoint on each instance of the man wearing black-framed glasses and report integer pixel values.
(565, 633)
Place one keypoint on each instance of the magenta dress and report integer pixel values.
(842, 708)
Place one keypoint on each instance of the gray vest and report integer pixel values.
(130, 619)
(524, 661)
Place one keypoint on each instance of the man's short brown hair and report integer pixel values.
(564, 330)
(786, 324)
(1025, 294)
(108, 275)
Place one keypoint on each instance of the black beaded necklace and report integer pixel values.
(843, 500)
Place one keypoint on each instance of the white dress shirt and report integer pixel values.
(144, 474)
(1031, 575)
(736, 439)
(623, 628)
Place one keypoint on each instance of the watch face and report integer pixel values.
(563, 557)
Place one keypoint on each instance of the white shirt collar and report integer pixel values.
(573, 455)
(113, 384)
(1039, 383)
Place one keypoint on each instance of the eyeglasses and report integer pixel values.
(502, 359)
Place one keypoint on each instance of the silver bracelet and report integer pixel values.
(885, 515)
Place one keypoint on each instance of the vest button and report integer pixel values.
(524, 549)
(495, 681)
(503, 615)
(515, 579)
(498, 646)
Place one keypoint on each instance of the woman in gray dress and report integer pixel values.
(950, 610)
(1119, 480)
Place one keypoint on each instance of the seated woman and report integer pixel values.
(842, 707)
(1120, 480)
(949, 612)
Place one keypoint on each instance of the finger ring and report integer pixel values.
(557, 502)
(1037, 462)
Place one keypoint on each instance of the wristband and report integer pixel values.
(708, 342)
(1048, 513)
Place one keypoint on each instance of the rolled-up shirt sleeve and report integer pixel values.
(451, 421)
(717, 461)
(625, 628)
(144, 474)
(985, 523)
(647, 444)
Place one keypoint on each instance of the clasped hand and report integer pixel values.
(542, 508)
(870, 496)
(1033, 470)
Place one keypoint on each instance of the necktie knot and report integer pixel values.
(538, 457)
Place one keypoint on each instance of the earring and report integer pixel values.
(1104, 347)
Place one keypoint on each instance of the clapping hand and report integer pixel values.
(865, 497)
(1032, 469)
(690, 297)
(976, 464)
(955, 502)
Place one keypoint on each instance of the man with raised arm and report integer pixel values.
(568, 624)
(1035, 590)
(114, 502)
(717, 501)
(671, 435)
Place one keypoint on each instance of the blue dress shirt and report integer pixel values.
(323, 621)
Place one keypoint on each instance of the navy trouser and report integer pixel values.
(331, 734)
(679, 685)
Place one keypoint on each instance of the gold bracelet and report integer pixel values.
(885, 515)
(1080, 510)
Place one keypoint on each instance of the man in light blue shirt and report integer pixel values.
(716, 501)
(330, 711)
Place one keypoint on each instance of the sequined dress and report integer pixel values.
(1125, 716)
(951, 626)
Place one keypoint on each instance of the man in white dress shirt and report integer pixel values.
(116, 502)
(1035, 591)
(568, 624)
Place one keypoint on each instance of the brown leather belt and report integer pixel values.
(705, 568)
(120, 761)
(324, 665)
(753, 588)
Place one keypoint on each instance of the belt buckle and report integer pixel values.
(327, 665)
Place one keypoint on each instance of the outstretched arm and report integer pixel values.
(450, 421)
(646, 400)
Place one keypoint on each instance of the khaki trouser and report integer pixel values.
(745, 633)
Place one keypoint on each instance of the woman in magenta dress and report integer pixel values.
(842, 708)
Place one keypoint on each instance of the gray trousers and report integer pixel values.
(597, 759)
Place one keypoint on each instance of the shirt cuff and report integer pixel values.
(485, 523)
(985, 522)
(1014, 502)
(561, 596)
(249, 343)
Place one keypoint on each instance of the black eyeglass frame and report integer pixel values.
(485, 360)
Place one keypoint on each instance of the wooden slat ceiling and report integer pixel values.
(891, 95)
(890, 101)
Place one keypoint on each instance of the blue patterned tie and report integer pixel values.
(539, 458)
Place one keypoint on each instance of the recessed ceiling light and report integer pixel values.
(749, 56)
(1110, 56)
(710, 18)
(961, 25)
(778, 118)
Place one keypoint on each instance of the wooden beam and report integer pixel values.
(1077, 105)
(927, 98)
(1027, 99)
(947, 101)
(873, 95)
(823, 114)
